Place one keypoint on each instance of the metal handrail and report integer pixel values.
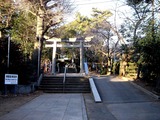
(65, 71)
(64, 78)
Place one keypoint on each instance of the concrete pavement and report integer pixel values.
(51, 107)
(121, 101)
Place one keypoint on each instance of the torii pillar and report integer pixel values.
(54, 58)
(81, 57)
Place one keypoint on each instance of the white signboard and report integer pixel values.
(11, 79)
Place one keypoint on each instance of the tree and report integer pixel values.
(24, 31)
(146, 45)
(7, 14)
(143, 11)
(48, 14)
(107, 30)
(149, 51)
(77, 28)
(97, 25)
(133, 29)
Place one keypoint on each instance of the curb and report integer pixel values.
(145, 91)
(84, 109)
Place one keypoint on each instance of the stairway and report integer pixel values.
(54, 84)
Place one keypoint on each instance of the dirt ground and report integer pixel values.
(11, 102)
(146, 86)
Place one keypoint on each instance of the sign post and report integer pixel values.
(11, 79)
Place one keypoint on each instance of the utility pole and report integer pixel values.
(8, 60)
(39, 56)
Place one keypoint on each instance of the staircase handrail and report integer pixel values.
(65, 71)
(64, 78)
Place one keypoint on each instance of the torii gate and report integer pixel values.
(71, 40)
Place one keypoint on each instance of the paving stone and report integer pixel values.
(50, 107)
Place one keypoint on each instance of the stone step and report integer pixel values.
(72, 85)
(66, 90)
(66, 86)
(61, 82)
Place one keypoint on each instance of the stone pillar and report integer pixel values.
(54, 58)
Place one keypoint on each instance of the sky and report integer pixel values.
(85, 8)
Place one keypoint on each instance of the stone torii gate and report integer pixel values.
(55, 44)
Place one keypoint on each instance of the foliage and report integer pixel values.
(7, 14)
(20, 25)
(144, 36)
(78, 27)
(150, 59)
(100, 16)
(84, 26)
(97, 26)
(24, 32)
(49, 13)
(135, 2)
(19, 18)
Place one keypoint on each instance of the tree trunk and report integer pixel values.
(0, 34)
(38, 43)
(153, 21)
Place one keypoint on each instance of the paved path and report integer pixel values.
(121, 101)
(51, 107)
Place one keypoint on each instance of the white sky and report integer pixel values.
(85, 8)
